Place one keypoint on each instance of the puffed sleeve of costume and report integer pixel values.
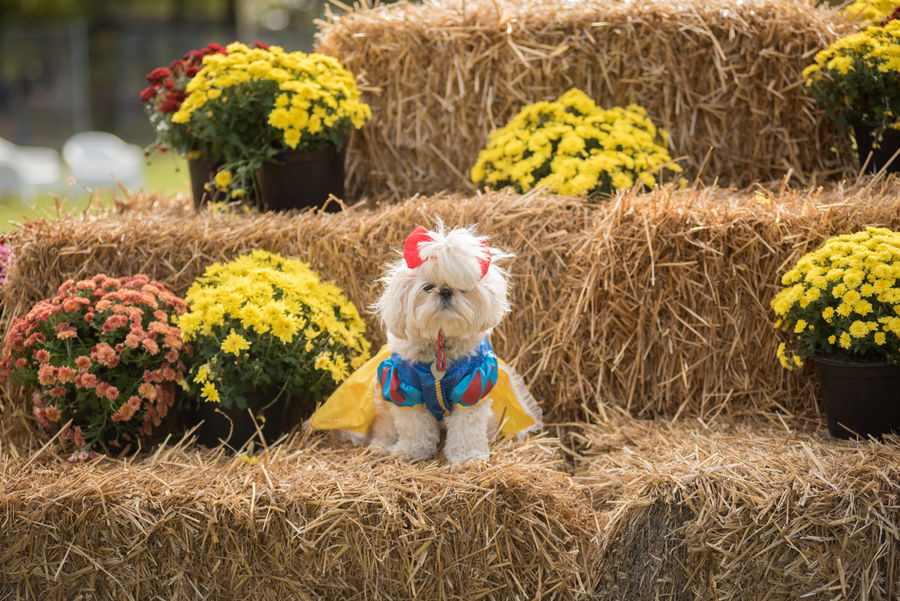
(394, 389)
(478, 384)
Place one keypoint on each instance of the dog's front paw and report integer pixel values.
(414, 452)
(460, 456)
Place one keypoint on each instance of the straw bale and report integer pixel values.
(311, 519)
(672, 315)
(350, 248)
(718, 75)
(768, 508)
(764, 508)
(657, 302)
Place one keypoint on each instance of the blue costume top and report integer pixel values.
(465, 382)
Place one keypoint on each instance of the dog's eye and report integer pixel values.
(428, 287)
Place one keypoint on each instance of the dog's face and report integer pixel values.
(447, 282)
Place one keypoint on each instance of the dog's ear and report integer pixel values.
(391, 306)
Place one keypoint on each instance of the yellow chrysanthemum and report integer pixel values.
(859, 296)
(209, 393)
(574, 147)
(202, 374)
(234, 343)
(845, 340)
(277, 316)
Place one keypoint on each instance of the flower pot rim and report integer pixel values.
(306, 156)
(826, 360)
(868, 122)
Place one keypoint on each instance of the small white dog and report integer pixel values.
(440, 303)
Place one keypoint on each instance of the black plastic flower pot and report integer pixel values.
(202, 171)
(880, 156)
(302, 178)
(860, 398)
(234, 426)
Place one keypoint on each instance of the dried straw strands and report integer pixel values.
(657, 303)
(768, 508)
(672, 311)
(722, 510)
(716, 74)
(310, 520)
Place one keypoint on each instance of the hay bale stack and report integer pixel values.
(310, 520)
(672, 316)
(767, 508)
(658, 303)
(715, 74)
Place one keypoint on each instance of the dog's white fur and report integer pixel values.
(413, 316)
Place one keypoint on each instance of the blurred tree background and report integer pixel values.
(70, 65)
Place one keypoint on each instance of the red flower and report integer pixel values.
(76, 436)
(52, 413)
(148, 93)
(85, 380)
(47, 375)
(259, 44)
(65, 375)
(104, 354)
(114, 323)
(172, 102)
(148, 391)
(158, 75)
(150, 345)
(40, 414)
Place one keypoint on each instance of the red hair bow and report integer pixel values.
(421, 235)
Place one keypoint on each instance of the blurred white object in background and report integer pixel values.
(26, 171)
(97, 159)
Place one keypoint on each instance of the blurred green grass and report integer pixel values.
(164, 174)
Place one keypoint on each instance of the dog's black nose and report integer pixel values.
(445, 294)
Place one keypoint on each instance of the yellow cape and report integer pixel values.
(352, 406)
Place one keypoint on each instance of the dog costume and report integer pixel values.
(351, 408)
(464, 383)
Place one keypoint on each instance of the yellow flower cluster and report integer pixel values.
(871, 10)
(572, 146)
(308, 94)
(858, 76)
(273, 315)
(875, 46)
(844, 296)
